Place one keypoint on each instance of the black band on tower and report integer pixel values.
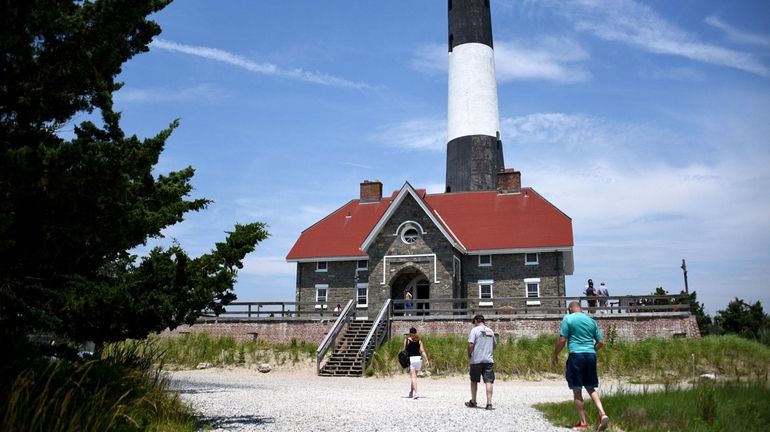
(472, 163)
(469, 21)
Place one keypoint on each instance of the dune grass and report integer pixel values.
(191, 349)
(648, 361)
(122, 391)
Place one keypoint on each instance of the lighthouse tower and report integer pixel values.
(474, 149)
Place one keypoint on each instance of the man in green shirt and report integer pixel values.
(582, 336)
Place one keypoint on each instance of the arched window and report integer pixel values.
(409, 234)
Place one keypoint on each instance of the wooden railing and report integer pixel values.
(379, 332)
(280, 311)
(330, 340)
(459, 308)
(551, 305)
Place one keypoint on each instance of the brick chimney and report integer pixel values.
(508, 181)
(371, 191)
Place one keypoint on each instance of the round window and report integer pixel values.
(409, 235)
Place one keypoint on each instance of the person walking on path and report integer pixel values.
(416, 351)
(582, 336)
(481, 345)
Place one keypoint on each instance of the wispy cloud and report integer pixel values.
(429, 135)
(548, 59)
(737, 35)
(260, 68)
(639, 25)
(357, 165)
(196, 93)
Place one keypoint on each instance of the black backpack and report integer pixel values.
(403, 359)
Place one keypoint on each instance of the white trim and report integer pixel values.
(385, 265)
(535, 262)
(362, 268)
(519, 250)
(410, 222)
(533, 302)
(528, 281)
(491, 284)
(359, 286)
(406, 189)
(321, 270)
(489, 264)
(457, 268)
(316, 259)
(486, 303)
(326, 295)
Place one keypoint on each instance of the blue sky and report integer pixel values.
(647, 123)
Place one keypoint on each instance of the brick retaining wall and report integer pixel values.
(628, 328)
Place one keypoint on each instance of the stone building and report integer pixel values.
(478, 245)
(485, 238)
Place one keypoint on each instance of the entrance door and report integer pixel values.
(410, 281)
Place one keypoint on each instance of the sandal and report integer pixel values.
(471, 404)
(489, 407)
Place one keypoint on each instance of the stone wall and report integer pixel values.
(627, 328)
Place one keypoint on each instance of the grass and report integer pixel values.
(189, 350)
(122, 391)
(705, 407)
(663, 361)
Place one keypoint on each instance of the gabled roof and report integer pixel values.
(474, 222)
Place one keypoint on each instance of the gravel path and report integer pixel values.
(246, 400)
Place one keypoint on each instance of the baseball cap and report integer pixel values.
(413, 330)
(478, 318)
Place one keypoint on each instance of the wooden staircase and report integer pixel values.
(346, 359)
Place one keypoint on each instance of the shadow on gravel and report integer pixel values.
(235, 421)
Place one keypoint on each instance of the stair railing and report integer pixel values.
(376, 335)
(331, 337)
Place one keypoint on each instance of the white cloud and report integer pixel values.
(548, 58)
(357, 165)
(423, 134)
(260, 68)
(635, 218)
(639, 25)
(196, 93)
(737, 35)
(268, 266)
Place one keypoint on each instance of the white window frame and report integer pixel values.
(410, 228)
(489, 264)
(365, 267)
(527, 282)
(324, 287)
(318, 265)
(535, 262)
(366, 297)
(486, 301)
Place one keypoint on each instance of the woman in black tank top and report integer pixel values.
(413, 347)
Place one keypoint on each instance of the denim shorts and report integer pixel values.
(581, 371)
(486, 370)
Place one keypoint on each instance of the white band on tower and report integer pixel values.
(472, 92)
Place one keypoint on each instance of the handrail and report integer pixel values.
(332, 334)
(384, 312)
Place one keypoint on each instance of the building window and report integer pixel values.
(485, 289)
(321, 266)
(533, 287)
(362, 265)
(362, 295)
(409, 235)
(485, 260)
(320, 292)
(531, 258)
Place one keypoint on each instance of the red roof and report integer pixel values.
(478, 221)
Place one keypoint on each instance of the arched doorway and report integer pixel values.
(415, 282)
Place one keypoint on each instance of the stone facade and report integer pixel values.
(396, 263)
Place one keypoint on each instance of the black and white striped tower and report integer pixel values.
(474, 149)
